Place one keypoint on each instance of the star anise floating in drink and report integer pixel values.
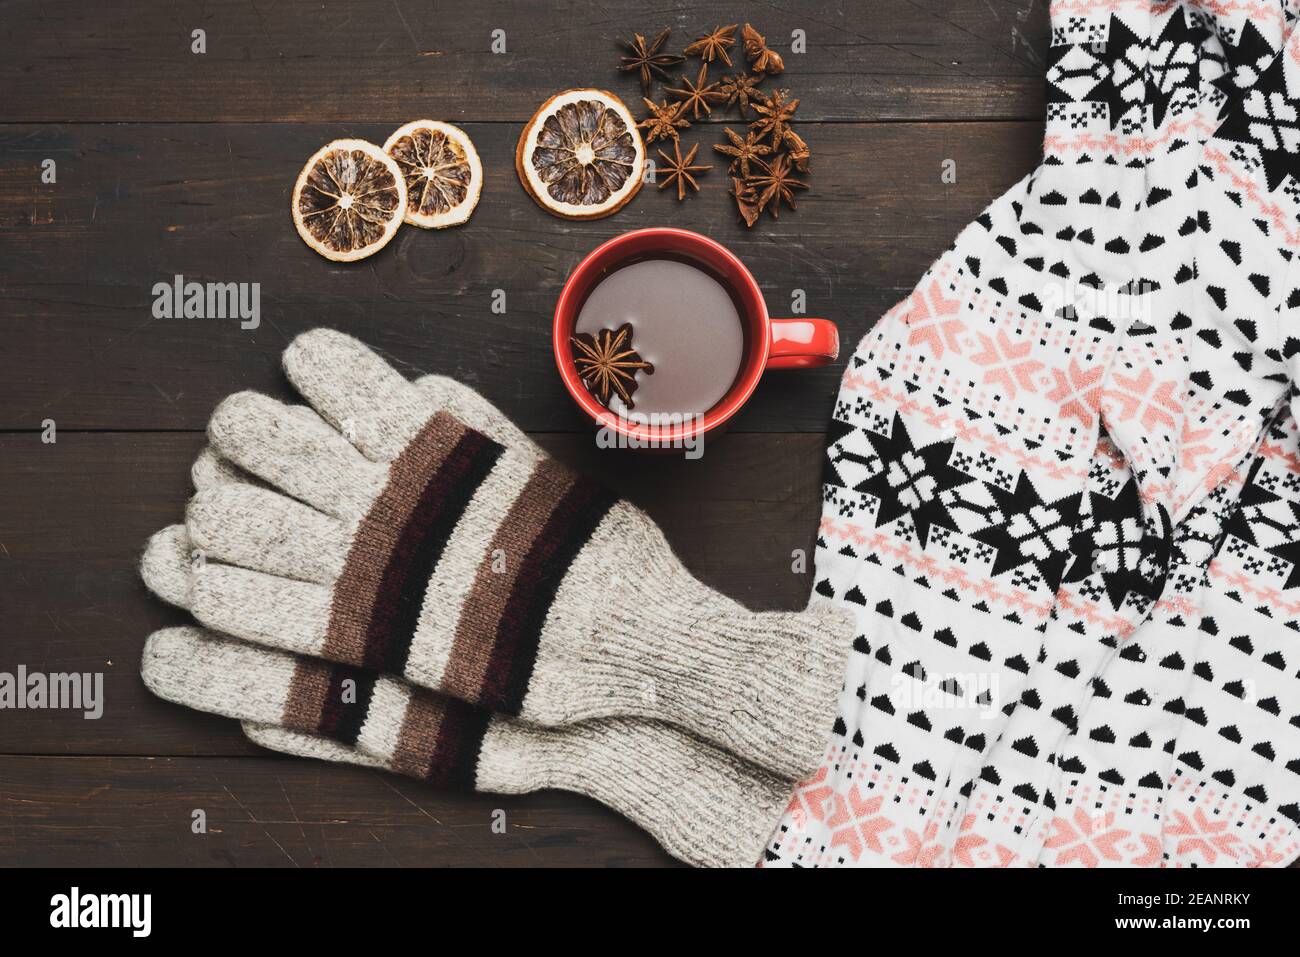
(766, 159)
(607, 363)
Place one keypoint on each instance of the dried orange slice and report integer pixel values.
(349, 200)
(442, 170)
(580, 156)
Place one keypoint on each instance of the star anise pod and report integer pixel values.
(761, 59)
(646, 59)
(739, 89)
(714, 45)
(776, 112)
(797, 150)
(695, 95)
(664, 121)
(776, 184)
(607, 363)
(745, 151)
(746, 201)
(678, 169)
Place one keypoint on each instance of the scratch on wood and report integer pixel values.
(42, 208)
(294, 811)
(387, 852)
(388, 784)
(1030, 52)
(406, 26)
(260, 824)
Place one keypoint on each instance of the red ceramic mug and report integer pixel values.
(770, 343)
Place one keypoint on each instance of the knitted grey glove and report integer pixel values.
(704, 806)
(418, 546)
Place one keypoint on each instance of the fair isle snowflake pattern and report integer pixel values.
(1044, 496)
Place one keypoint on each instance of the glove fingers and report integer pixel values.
(304, 745)
(201, 670)
(264, 609)
(210, 469)
(373, 405)
(165, 565)
(475, 411)
(440, 392)
(259, 529)
(357, 392)
(209, 672)
(295, 451)
(340, 713)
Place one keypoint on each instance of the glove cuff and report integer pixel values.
(704, 806)
(633, 632)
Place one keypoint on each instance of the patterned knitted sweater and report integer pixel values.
(1062, 486)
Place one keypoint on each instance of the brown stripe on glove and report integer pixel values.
(496, 638)
(377, 599)
(439, 740)
(476, 630)
(569, 528)
(320, 702)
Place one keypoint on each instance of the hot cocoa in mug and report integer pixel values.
(694, 314)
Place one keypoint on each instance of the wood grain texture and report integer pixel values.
(274, 811)
(76, 515)
(64, 61)
(137, 205)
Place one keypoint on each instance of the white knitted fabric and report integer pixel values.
(1010, 482)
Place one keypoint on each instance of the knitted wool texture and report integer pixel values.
(1233, 788)
(704, 806)
(1164, 388)
(422, 548)
(1110, 805)
(968, 458)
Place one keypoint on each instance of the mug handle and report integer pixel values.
(803, 343)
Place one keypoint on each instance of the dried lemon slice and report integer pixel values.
(580, 156)
(442, 170)
(349, 200)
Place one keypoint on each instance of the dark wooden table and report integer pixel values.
(172, 162)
